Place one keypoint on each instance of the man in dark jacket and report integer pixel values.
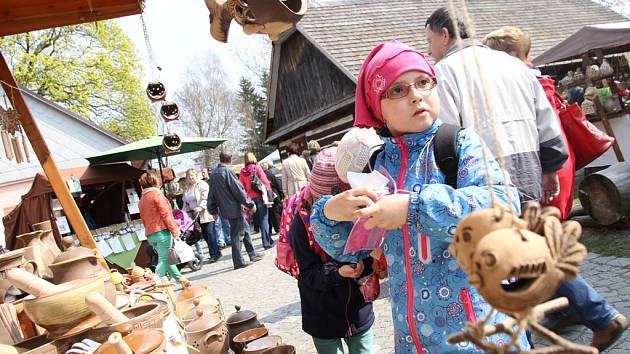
(275, 179)
(227, 193)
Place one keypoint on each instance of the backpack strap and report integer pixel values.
(445, 152)
(372, 161)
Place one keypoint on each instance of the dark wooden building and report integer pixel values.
(314, 67)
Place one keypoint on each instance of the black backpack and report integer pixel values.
(444, 149)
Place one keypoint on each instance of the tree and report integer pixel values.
(253, 106)
(91, 69)
(210, 108)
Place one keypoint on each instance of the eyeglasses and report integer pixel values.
(424, 85)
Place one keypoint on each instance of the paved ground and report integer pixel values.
(273, 295)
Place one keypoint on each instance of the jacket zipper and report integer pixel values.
(348, 304)
(405, 230)
(468, 306)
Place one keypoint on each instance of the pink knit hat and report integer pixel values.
(385, 63)
(324, 179)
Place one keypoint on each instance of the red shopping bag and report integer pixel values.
(587, 140)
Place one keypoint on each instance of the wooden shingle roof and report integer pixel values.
(347, 30)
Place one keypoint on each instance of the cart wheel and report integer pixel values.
(196, 263)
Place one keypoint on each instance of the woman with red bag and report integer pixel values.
(585, 304)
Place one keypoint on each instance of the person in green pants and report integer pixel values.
(159, 225)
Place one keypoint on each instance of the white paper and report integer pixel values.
(128, 241)
(141, 235)
(132, 195)
(104, 248)
(133, 208)
(62, 224)
(115, 244)
(373, 180)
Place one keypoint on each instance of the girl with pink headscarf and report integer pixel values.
(429, 293)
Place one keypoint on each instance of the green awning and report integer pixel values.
(151, 148)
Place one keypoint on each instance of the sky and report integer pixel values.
(178, 32)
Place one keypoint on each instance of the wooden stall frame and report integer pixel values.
(46, 159)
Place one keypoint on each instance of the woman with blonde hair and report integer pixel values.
(196, 203)
(261, 214)
(159, 225)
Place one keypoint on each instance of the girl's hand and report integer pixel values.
(389, 212)
(343, 206)
(352, 271)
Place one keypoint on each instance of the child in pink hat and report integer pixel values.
(429, 293)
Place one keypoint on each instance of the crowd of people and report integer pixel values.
(487, 87)
(507, 146)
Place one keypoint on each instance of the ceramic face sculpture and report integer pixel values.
(517, 265)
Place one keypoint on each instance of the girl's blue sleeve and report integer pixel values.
(436, 209)
(332, 235)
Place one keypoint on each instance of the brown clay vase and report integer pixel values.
(240, 321)
(48, 238)
(208, 334)
(38, 252)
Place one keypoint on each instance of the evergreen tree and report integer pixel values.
(253, 106)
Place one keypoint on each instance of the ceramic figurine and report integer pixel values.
(517, 264)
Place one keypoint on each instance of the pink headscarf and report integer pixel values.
(385, 63)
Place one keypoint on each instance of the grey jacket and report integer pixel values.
(528, 134)
(227, 193)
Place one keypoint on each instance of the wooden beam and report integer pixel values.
(601, 112)
(45, 158)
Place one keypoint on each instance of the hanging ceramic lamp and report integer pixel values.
(171, 142)
(170, 111)
(156, 91)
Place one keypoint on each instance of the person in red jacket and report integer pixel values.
(159, 224)
(585, 304)
(262, 211)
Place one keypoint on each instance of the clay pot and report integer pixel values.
(62, 310)
(80, 263)
(170, 111)
(140, 341)
(185, 299)
(240, 321)
(259, 345)
(281, 349)
(10, 260)
(250, 335)
(136, 273)
(38, 252)
(171, 142)
(48, 238)
(210, 309)
(207, 333)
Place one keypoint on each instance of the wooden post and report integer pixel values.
(45, 157)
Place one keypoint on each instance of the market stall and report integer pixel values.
(594, 63)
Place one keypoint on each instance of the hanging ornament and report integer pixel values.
(592, 72)
(606, 69)
(156, 91)
(25, 145)
(172, 142)
(170, 111)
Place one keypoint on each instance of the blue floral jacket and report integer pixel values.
(429, 293)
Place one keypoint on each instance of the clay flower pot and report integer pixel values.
(248, 336)
(259, 345)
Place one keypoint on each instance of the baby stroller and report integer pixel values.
(189, 234)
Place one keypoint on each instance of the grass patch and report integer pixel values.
(614, 248)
